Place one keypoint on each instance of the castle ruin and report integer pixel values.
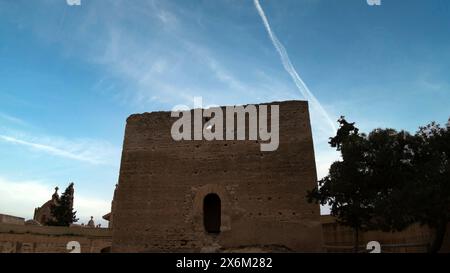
(216, 196)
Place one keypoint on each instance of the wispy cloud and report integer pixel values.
(93, 152)
(168, 62)
(166, 17)
(20, 198)
(430, 85)
(12, 119)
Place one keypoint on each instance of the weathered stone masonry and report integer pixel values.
(159, 201)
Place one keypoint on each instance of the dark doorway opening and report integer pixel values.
(106, 250)
(211, 213)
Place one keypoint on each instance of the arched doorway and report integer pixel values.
(106, 250)
(212, 213)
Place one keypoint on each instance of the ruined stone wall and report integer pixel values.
(44, 239)
(9, 219)
(162, 184)
(414, 239)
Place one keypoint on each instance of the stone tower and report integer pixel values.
(212, 196)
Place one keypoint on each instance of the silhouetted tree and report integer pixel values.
(62, 210)
(345, 188)
(391, 177)
(389, 180)
(432, 188)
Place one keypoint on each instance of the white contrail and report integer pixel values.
(291, 70)
(46, 148)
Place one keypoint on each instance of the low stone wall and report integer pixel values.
(8, 219)
(337, 238)
(44, 239)
(415, 239)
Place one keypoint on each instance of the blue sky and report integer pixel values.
(70, 76)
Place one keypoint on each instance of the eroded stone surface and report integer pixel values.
(162, 185)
